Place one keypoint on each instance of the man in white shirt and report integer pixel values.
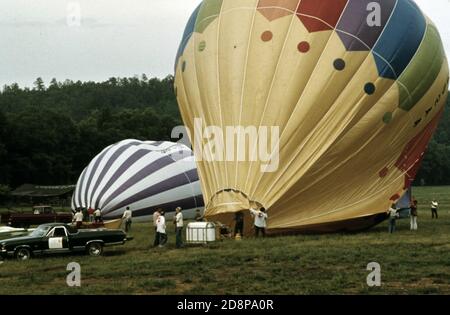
(179, 227)
(98, 216)
(127, 215)
(156, 215)
(161, 229)
(78, 218)
(434, 209)
(393, 216)
(260, 221)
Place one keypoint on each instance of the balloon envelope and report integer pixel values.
(141, 175)
(356, 87)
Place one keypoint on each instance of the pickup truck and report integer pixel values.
(54, 238)
(39, 215)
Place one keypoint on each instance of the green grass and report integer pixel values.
(412, 263)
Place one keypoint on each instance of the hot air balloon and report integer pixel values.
(356, 89)
(142, 175)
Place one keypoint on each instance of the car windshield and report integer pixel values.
(40, 231)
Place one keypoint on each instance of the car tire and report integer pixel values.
(95, 249)
(22, 254)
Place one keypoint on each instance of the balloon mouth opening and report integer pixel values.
(230, 201)
(224, 205)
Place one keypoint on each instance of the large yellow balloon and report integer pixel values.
(356, 88)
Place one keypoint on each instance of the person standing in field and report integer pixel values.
(434, 209)
(260, 223)
(91, 214)
(127, 218)
(98, 216)
(239, 226)
(179, 227)
(85, 215)
(156, 215)
(161, 229)
(393, 216)
(414, 215)
(78, 218)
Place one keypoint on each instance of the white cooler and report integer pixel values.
(200, 233)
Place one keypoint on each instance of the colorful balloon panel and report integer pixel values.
(356, 103)
(140, 175)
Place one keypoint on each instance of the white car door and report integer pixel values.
(57, 239)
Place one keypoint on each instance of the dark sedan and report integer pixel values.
(57, 238)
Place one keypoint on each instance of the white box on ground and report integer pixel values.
(200, 233)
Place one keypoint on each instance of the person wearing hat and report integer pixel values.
(179, 227)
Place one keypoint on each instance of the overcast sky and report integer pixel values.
(122, 38)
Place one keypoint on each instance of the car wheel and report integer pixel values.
(95, 249)
(22, 254)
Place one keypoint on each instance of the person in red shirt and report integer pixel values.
(91, 214)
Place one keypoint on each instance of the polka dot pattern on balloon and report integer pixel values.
(303, 47)
(267, 36)
(339, 64)
(369, 88)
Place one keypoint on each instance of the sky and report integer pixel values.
(113, 38)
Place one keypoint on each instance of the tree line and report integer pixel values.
(48, 134)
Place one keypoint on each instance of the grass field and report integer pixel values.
(411, 263)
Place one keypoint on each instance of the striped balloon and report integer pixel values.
(140, 175)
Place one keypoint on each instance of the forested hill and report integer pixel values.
(50, 132)
(79, 99)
